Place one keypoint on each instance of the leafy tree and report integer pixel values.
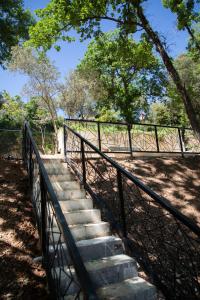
(12, 111)
(187, 12)
(14, 25)
(159, 114)
(38, 117)
(128, 71)
(107, 115)
(189, 71)
(59, 17)
(43, 79)
(75, 94)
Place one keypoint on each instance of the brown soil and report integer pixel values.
(177, 179)
(20, 276)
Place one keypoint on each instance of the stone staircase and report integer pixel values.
(113, 272)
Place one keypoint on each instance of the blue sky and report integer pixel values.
(65, 60)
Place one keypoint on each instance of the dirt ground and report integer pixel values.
(177, 179)
(20, 276)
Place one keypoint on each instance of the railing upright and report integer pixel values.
(121, 198)
(181, 142)
(99, 135)
(43, 219)
(129, 138)
(64, 137)
(83, 162)
(157, 140)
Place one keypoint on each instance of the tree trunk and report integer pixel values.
(194, 121)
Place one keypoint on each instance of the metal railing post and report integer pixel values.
(99, 135)
(64, 141)
(83, 162)
(180, 140)
(121, 198)
(129, 139)
(30, 165)
(43, 219)
(156, 136)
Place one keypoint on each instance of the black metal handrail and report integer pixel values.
(159, 199)
(125, 123)
(157, 140)
(108, 183)
(30, 147)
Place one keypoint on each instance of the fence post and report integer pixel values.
(24, 144)
(99, 135)
(64, 140)
(30, 165)
(121, 198)
(181, 144)
(43, 219)
(129, 138)
(83, 162)
(157, 141)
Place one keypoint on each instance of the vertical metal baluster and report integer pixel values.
(83, 162)
(30, 165)
(43, 219)
(99, 135)
(129, 138)
(64, 137)
(157, 141)
(181, 143)
(121, 198)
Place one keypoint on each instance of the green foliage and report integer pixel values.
(185, 11)
(189, 71)
(188, 16)
(128, 71)
(12, 112)
(14, 26)
(59, 17)
(107, 115)
(159, 114)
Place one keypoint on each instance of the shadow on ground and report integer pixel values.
(20, 276)
(177, 179)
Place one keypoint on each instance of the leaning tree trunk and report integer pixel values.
(193, 117)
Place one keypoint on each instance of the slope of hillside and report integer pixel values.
(20, 276)
(177, 179)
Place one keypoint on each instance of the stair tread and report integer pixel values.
(97, 240)
(133, 289)
(108, 261)
(87, 224)
(82, 211)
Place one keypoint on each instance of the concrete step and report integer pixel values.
(61, 178)
(83, 216)
(90, 231)
(89, 249)
(66, 185)
(70, 194)
(104, 271)
(76, 204)
(56, 171)
(134, 288)
(82, 231)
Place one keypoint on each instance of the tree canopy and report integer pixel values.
(14, 26)
(187, 12)
(128, 71)
(59, 17)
